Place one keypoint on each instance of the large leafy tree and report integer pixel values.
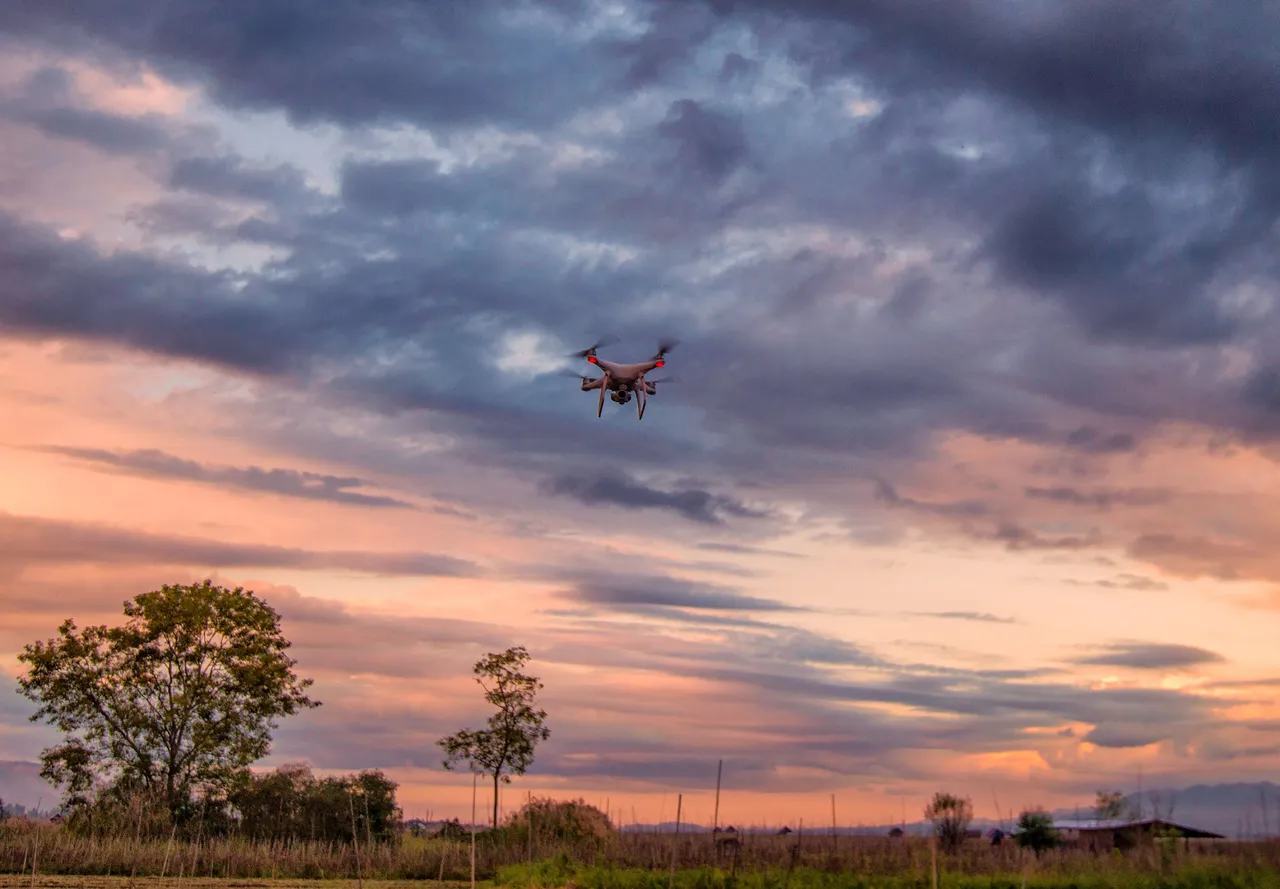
(506, 747)
(184, 693)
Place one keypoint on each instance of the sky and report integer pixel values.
(966, 480)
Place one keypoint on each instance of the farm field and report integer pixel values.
(550, 876)
(625, 861)
(24, 881)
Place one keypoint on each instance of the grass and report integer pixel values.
(14, 881)
(622, 861)
(549, 876)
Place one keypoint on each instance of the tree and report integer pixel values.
(1110, 806)
(950, 816)
(1035, 831)
(292, 804)
(183, 694)
(506, 746)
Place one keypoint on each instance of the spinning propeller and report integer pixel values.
(589, 352)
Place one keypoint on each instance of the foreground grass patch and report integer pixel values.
(559, 873)
(14, 881)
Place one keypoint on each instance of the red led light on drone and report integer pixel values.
(591, 358)
(659, 363)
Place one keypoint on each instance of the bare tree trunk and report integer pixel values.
(495, 799)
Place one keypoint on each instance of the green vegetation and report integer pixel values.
(555, 874)
(1035, 831)
(181, 696)
(514, 730)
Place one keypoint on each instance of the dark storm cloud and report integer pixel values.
(287, 482)
(229, 176)
(1152, 656)
(429, 63)
(708, 141)
(57, 287)
(97, 129)
(45, 101)
(1197, 73)
(25, 540)
(1121, 735)
(693, 504)
(821, 266)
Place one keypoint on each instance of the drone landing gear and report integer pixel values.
(642, 398)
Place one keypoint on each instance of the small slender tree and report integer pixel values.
(506, 747)
(950, 815)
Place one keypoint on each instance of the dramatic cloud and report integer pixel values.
(26, 540)
(976, 303)
(287, 482)
(693, 504)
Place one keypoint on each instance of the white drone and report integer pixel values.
(621, 380)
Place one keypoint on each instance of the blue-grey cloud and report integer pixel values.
(956, 219)
(286, 482)
(611, 490)
(1152, 656)
(26, 540)
(975, 616)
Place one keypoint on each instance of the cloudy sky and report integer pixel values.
(967, 479)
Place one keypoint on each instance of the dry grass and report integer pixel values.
(14, 881)
(56, 852)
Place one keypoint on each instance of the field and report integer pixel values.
(32, 855)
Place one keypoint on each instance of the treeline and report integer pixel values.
(287, 805)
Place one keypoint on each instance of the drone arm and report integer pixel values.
(588, 384)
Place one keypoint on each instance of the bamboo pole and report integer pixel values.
(474, 779)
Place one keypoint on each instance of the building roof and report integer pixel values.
(1118, 824)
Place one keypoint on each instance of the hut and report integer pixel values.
(1103, 836)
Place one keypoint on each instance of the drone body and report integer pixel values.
(624, 380)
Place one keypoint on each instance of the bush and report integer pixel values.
(1035, 831)
(560, 821)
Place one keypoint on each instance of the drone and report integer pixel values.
(623, 380)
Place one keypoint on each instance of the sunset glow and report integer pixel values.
(967, 481)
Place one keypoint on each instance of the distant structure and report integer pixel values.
(784, 831)
(895, 831)
(1103, 836)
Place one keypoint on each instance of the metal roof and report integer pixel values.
(1116, 824)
